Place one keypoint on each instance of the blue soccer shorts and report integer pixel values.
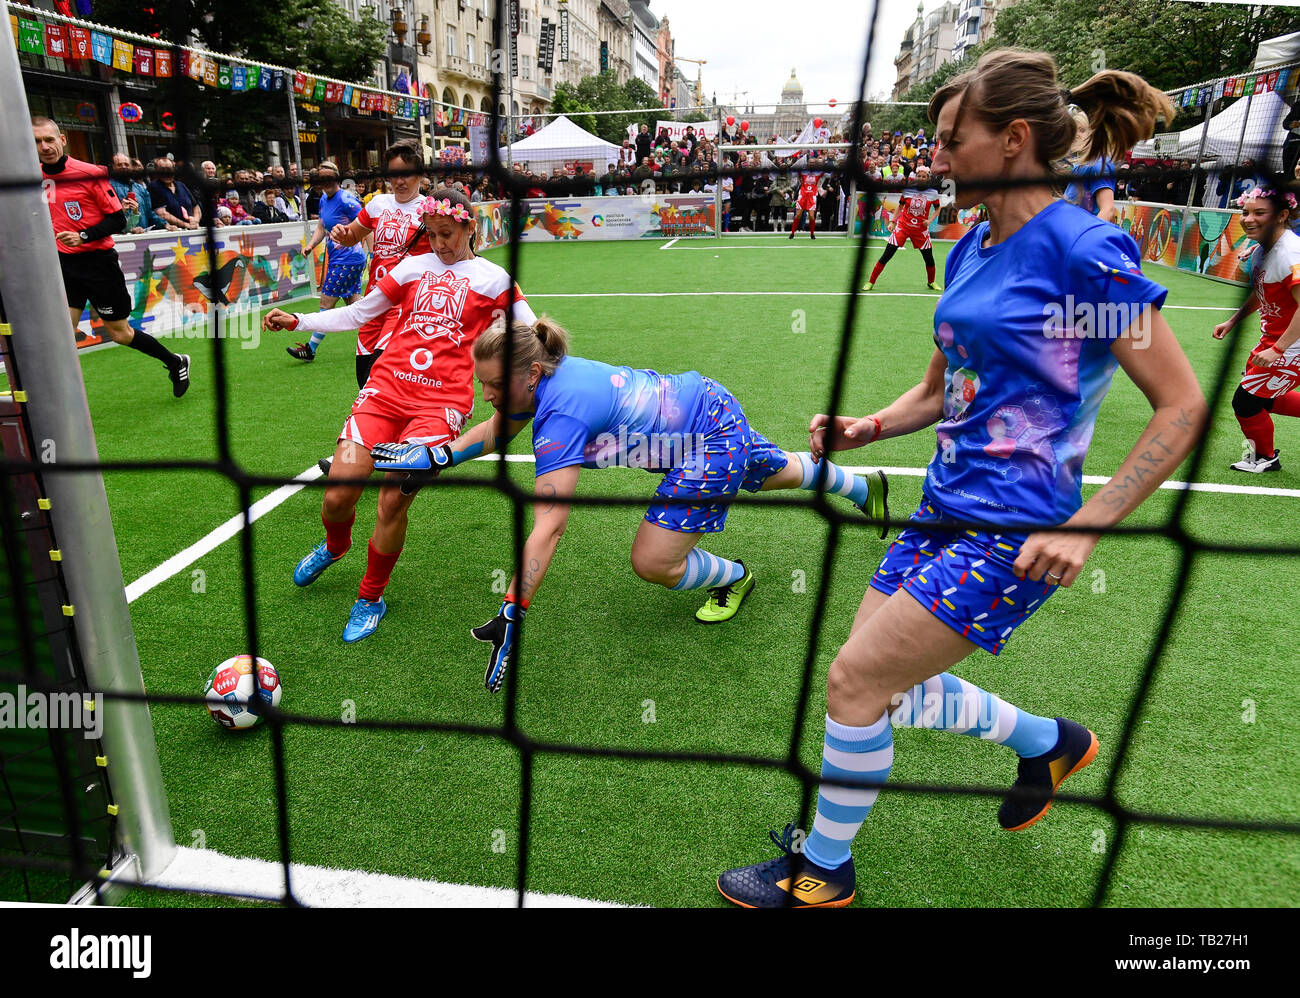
(731, 456)
(963, 577)
(342, 280)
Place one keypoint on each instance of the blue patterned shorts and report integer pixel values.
(963, 577)
(342, 280)
(734, 457)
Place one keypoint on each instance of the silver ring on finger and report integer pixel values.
(1053, 575)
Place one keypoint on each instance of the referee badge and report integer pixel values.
(73, 208)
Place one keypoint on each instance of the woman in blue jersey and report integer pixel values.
(586, 414)
(1093, 185)
(1024, 354)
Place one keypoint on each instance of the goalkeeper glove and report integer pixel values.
(500, 632)
(421, 463)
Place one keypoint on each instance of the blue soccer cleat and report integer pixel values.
(317, 560)
(364, 619)
(791, 880)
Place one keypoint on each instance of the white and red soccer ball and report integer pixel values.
(236, 688)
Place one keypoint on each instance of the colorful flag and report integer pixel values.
(193, 64)
(1283, 75)
(300, 83)
(357, 95)
(78, 42)
(30, 37)
(1272, 80)
(239, 78)
(56, 41)
(1218, 90)
(278, 81)
(143, 61)
(223, 76)
(1250, 86)
(318, 91)
(101, 48)
(162, 62)
(209, 72)
(122, 55)
(263, 78)
(346, 98)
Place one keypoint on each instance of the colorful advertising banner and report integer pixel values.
(677, 129)
(665, 216)
(1211, 243)
(947, 223)
(168, 276)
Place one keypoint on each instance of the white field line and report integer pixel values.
(320, 887)
(182, 560)
(669, 244)
(800, 294)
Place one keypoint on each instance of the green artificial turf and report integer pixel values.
(613, 662)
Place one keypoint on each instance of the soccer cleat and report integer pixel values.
(1259, 465)
(868, 286)
(325, 464)
(364, 619)
(934, 287)
(724, 601)
(301, 351)
(317, 560)
(179, 372)
(1038, 777)
(791, 880)
(877, 505)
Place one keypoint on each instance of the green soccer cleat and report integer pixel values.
(724, 601)
(934, 287)
(877, 505)
(868, 286)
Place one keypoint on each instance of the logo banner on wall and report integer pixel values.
(480, 138)
(664, 216)
(677, 129)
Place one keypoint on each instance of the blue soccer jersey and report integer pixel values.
(1083, 190)
(595, 415)
(1026, 327)
(341, 209)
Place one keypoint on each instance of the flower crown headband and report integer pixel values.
(1265, 192)
(444, 206)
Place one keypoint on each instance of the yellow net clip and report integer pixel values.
(101, 760)
(112, 809)
(43, 504)
(88, 704)
(69, 609)
(20, 396)
(56, 555)
(6, 329)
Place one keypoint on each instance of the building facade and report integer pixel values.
(968, 27)
(645, 46)
(614, 19)
(905, 61)
(935, 44)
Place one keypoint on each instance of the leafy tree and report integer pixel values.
(603, 93)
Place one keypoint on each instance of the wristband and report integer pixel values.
(877, 436)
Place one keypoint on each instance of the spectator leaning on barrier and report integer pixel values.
(266, 212)
(133, 194)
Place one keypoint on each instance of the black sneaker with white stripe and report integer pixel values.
(179, 371)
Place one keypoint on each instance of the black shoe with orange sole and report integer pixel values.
(1039, 777)
(791, 880)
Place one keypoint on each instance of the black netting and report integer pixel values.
(83, 851)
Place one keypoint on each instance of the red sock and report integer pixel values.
(1259, 431)
(379, 567)
(812, 224)
(875, 271)
(338, 536)
(1287, 405)
(929, 275)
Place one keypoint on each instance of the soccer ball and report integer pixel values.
(230, 691)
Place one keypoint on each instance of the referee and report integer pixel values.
(85, 211)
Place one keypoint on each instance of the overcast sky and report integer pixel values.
(752, 46)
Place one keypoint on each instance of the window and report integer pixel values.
(469, 49)
(452, 48)
(487, 53)
(524, 28)
(525, 67)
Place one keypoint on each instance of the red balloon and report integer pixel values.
(744, 126)
(817, 123)
(832, 102)
(731, 120)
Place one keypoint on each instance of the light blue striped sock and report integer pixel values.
(838, 481)
(707, 571)
(850, 754)
(315, 341)
(949, 703)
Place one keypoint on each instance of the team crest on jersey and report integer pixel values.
(439, 302)
(366, 393)
(73, 208)
(391, 232)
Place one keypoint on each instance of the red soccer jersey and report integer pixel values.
(914, 210)
(808, 187)
(1275, 284)
(80, 196)
(393, 223)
